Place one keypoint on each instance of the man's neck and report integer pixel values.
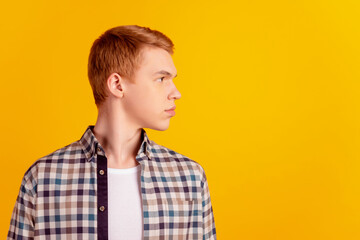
(120, 141)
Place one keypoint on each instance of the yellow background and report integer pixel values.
(269, 107)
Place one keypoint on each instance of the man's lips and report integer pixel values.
(171, 109)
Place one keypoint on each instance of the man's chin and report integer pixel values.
(160, 128)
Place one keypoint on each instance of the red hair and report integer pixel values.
(118, 50)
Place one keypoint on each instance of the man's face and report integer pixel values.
(154, 91)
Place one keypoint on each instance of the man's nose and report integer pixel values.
(175, 93)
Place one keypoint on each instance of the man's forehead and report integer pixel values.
(158, 61)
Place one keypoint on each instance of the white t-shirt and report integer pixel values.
(124, 204)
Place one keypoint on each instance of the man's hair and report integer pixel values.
(119, 50)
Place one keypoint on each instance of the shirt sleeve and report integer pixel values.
(209, 231)
(22, 222)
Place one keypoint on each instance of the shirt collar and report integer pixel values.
(92, 146)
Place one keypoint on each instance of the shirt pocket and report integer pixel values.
(181, 218)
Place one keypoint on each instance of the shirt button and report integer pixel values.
(101, 172)
(102, 208)
(98, 149)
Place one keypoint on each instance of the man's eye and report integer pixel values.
(162, 78)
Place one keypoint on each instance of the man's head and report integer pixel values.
(132, 66)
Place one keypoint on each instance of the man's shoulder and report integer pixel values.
(61, 155)
(52, 160)
(169, 156)
(69, 151)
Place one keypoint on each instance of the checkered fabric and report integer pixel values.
(63, 195)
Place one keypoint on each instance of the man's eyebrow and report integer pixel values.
(165, 73)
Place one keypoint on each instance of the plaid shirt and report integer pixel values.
(63, 195)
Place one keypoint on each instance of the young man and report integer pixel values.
(114, 182)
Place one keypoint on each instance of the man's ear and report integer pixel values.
(115, 85)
